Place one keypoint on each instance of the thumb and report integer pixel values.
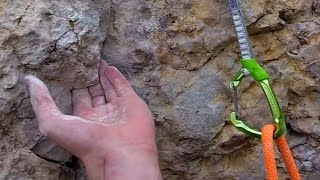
(42, 103)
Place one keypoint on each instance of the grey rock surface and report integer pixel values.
(179, 57)
(60, 42)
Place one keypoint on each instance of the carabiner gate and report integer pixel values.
(262, 77)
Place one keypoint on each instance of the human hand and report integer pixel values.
(111, 130)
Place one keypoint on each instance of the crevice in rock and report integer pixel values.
(25, 12)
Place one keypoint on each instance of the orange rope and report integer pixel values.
(269, 155)
(288, 158)
(268, 152)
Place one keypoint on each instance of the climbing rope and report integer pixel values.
(269, 155)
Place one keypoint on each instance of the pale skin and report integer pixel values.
(111, 130)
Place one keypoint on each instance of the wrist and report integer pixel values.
(125, 162)
(94, 165)
(133, 162)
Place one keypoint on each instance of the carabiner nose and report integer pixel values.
(262, 77)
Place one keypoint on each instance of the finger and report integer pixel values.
(97, 95)
(62, 129)
(81, 101)
(43, 105)
(109, 91)
(70, 132)
(119, 82)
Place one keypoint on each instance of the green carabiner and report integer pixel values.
(262, 77)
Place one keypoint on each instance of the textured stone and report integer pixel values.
(60, 42)
(179, 57)
(316, 162)
(187, 46)
(307, 166)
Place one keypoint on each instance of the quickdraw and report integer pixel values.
(271, 131)
(258, 73)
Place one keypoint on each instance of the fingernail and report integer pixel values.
(111, 71)
(113, 67)
(103, 63)
(27, 82)
(32, 81)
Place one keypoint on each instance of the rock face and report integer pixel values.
(180, 57)
(60, 42)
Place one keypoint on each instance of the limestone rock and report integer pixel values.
(60, 42)
(179, 57)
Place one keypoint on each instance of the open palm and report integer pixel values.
(108, 118)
